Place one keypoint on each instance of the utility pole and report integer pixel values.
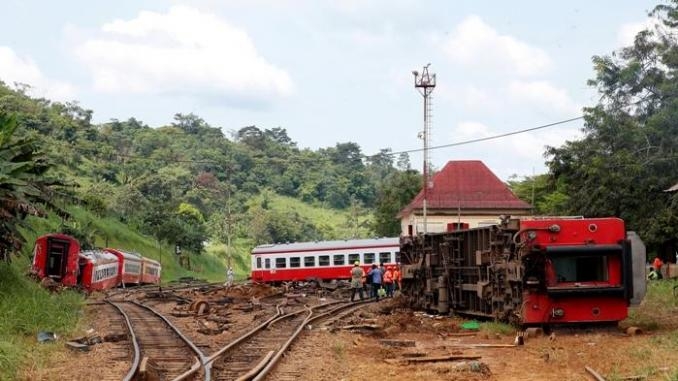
(425, 83)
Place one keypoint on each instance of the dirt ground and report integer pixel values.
(360, 346)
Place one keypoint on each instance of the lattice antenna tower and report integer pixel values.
(425, 83)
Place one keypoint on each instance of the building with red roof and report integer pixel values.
(464, 193)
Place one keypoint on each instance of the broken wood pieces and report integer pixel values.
(410, 360)
(595, 374)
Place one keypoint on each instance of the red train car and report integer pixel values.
(150, 271)
(536, 271)
(98, 270)
(130, 266)
(324, 260)
(55, 256)
(60, 257)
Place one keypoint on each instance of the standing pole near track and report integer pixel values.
(425, 85)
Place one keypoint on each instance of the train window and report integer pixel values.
(397, 257)
(352, 258)
(258, 262)
(324, 260)
(267, 263)
(580, 268)
(309, 261)
(339, 259)
(368, 258)
(295, 262)
(384, 257)
(280, 263)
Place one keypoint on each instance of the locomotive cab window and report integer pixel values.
(295, 262)
(580, 268)
(352, 258)
(309, 261)
(339, 259)
(280, 263)
(369, 258)
(384, 257)
(324, 260)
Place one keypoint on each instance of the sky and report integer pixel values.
(329, 71)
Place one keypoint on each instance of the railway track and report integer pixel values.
(160, 350)
(253, 355)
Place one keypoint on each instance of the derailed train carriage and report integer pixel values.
(528, 272)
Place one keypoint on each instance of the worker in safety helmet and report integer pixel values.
(357, 275)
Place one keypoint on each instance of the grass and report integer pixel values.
(26, 310)
(658, 309)
(493, 328)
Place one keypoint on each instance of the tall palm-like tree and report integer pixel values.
(24, 189)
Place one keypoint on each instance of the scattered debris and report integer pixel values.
(77, 346)
(470, 325)
(431, 359)
(482, 345)
(362, 326)
(398, 343)
(595, 374)
(633, 331)
(44, 336)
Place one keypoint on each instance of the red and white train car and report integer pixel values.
(59, 257)
(98, 270)
(55, 256)
(324, 260)
(150, 271)
(130, 266)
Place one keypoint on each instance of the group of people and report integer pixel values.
(384, 281)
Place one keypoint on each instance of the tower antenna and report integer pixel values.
(425, 83)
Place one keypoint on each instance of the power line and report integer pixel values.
(491, 137)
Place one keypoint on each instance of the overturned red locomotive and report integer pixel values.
(60, 258)
(530, 272)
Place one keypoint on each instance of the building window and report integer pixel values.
(280, 263)
(324, 260)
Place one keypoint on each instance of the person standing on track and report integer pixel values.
(357, 275)
(375, 275)
(388, 281)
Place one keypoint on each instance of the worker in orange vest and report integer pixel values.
(388, 281)
(396, 278)
(657, 264)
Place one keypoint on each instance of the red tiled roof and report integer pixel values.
(466, 184)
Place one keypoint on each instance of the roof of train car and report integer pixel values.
(146, 259)
(125, 254)
(98, 255)
(326, 245)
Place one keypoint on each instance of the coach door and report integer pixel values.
(57, 257)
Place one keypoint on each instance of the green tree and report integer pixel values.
(394, 194)
(24, 187)
(629, 155)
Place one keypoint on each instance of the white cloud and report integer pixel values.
(185, 51)
(544, 96)
(23, 70)
(475, 43)
(626, 34)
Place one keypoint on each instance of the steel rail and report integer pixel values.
(197, 365)
(137, 355)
